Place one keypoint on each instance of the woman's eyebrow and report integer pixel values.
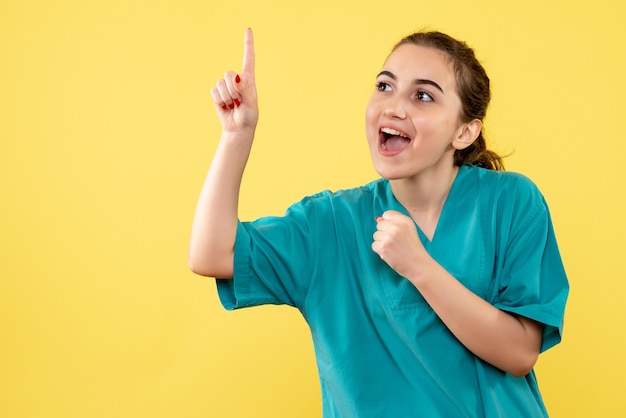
(417, 81)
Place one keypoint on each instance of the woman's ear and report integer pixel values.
(468, 132)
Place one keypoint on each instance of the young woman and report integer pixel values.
(430, 291)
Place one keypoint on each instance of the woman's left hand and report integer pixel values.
(397, 243)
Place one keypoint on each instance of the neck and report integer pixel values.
(423, 196)
(425, 190)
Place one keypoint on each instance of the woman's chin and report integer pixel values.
(389, 173)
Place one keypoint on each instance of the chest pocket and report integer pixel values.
(399, 291)
(465, 255)
(402, 295)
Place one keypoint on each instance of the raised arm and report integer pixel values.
(215, 222)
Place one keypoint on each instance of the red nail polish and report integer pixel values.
(224, 107)
(237, 102)
(237, 79)
(231, 106)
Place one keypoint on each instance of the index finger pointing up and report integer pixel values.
(247, 68)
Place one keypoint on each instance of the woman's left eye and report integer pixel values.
(422, 96)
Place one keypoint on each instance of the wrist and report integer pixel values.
(240, 135)
(425, 271)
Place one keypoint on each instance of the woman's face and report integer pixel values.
(413, 117)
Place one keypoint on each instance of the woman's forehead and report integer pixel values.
(421, 62)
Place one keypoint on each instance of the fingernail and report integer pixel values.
(224, 107)
(231, 106)
(379, 218)
(237, 78)
(237, 102)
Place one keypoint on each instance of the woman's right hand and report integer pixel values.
(214, 230)
(235, 96)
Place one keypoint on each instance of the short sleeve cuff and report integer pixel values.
(233, 292)
(553, 323)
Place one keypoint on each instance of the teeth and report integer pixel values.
(390, 131)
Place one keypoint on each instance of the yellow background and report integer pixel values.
(106, 132)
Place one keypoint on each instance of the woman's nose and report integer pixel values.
(394, 109)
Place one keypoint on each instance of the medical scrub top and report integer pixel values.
(381, 350)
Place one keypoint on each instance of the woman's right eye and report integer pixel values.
(382, 86)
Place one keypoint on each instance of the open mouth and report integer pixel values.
(392, 141)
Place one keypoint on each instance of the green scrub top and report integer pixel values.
(381, 350)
